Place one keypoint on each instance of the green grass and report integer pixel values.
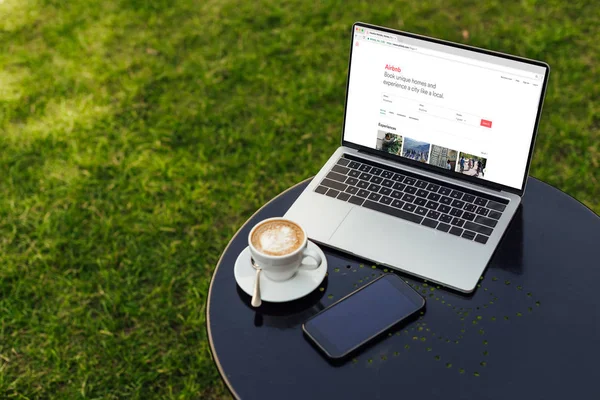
(137, 136)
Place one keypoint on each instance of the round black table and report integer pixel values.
(531, 329)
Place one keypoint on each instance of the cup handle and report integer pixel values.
(315, 256)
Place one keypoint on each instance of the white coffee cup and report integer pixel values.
(283, 265)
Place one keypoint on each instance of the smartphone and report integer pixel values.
(362, 316)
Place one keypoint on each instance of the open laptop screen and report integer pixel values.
(457, 109)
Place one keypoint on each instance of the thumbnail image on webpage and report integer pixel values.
(432, 154)
(389, 142)
(471, 165)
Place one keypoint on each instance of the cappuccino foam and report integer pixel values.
(277, 238)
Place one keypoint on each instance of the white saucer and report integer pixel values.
(301, 284)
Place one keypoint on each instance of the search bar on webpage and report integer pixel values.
(399, 106)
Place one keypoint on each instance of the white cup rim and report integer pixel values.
(281, 257)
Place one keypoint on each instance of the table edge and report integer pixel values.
(567, 194)
(209, 333)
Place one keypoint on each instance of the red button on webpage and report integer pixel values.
(486, 123)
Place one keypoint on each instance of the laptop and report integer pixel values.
(436, 146)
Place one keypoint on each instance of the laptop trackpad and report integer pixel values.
(418, 250)
(373, 235)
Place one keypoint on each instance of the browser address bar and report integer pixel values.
(463, 60)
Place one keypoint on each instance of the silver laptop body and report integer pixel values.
(431, 129)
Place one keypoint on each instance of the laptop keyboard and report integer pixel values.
(464, 213)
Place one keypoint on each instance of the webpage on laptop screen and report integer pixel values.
(441, 106)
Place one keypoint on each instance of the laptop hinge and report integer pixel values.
(415, 175)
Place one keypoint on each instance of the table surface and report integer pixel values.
(530, 329)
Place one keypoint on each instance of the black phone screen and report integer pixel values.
(359, 317)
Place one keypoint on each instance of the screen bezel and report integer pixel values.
(329, 348)
(452, 174)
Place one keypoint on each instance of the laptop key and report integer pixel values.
(482, 211)
(343, 161)
(456, 212)
(332, 193)
(399, 186)
(393, 211)
(387, 183)
(387, 174)
(458, 222)
(421, 210)
(410, 189)
(396, 194)
(420, 201)
(486, 221)
(434, 196)
(468, 216)
(458, 203)
(433, 187)
(334, 184)
(409, 181)
(429, 222)
(351, 181)
(470, 207)
(496, 206)
(365, 177)
(456, 231)
(432, 205)
(421, 184)
(351, 189)
(444, 209)
(374, 188)
(480, 201)
(385, 191)
(362, 184)
(341, 170)
(469, 235)
(397, 203)
(376, 171)
(456, 194)
(376, 179)
(478, 228)
(495, 214)
(364, 168)
(362, 193)
(356, 200)
(481, 239)
(445, 218)
(321, 189)
(354, 165)
(386, 200)
(468, 198)
(444, 191)
(343, 196)
(408, 197)
(374, 197)
(433, 214)
(422, 193)
(336, 177)
(354, 173)
(397, 177)
(409, 207)
(443, 227)
(446, 200)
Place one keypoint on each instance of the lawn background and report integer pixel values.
(136, 137)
